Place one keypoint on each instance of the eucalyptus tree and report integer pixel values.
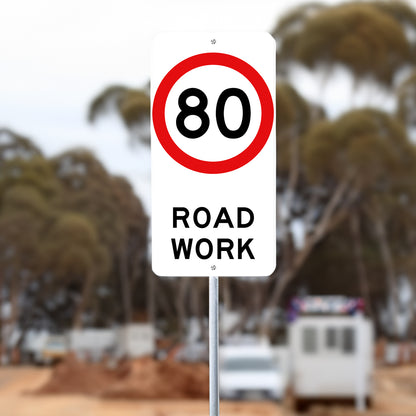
(117, 214)
(131, 104)
(28, 190)
(23, 219)
(132, 249)
(407, 103)
(366, 156)
(76, 256)
(374, 41)
(370, 38)
(67, 229)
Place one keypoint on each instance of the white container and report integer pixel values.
(331, 357)
(135, 340)
(92, 343)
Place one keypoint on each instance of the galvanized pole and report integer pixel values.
(214, 401)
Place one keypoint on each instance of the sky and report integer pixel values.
(55, 56)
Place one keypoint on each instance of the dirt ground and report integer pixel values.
(144, 378)
(395, 396)
(16, 400)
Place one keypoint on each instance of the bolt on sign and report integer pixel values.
(213, 154)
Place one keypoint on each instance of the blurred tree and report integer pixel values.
(15, 146)
(372, 160)
(74, 254)
(67, 228)
(369, 38)
(23, 218)
(407, 102)
(132, 105)
(366, 156)
(110, 204)
(28, 190)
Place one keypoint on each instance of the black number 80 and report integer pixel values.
(199, 111)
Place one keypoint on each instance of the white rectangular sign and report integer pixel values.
(213, 154)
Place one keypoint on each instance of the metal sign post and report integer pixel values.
(213, 348)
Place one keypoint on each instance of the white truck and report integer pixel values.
(331, 359)
(251, 370)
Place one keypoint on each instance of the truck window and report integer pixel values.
(348, 340)
(331, 338)
(310, 344)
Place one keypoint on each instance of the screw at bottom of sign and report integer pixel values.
(213, 267)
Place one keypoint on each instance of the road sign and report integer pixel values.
(213, 154)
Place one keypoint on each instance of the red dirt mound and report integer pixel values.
(150, 379)
(143, 378)
(74, 376)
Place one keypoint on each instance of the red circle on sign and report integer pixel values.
(205, 166)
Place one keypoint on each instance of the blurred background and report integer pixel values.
(86, 325)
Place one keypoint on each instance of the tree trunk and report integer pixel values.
(163, 300)
(246, 306)
(151, 292)
(258, 296)
(355, 230)
(387, 258)
(1, 315)
(125, 286)
(181, 306)
(14, 316)
(226, 293)
(241, 324)
(331, 218)
(198, 286)
(86, 289)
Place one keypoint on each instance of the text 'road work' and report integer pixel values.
(204, 248)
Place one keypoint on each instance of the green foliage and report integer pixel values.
(293, 112)
(24, 198)
(133, 105)
(401, 11)
(62, 223)
(106, 101)
(332, 269)
(369, 38)
(74, 250)
(370, 144)
(35, 172)
(108, 202)
(15, 146)
(407, 100)
(296, 18)
(294, 116)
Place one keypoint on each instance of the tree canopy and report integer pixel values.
(370, 38)
(66, 225)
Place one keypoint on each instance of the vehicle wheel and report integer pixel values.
(270, 395)
(301, 405)
(239, 395)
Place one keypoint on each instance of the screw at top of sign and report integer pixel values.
(213, 41)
